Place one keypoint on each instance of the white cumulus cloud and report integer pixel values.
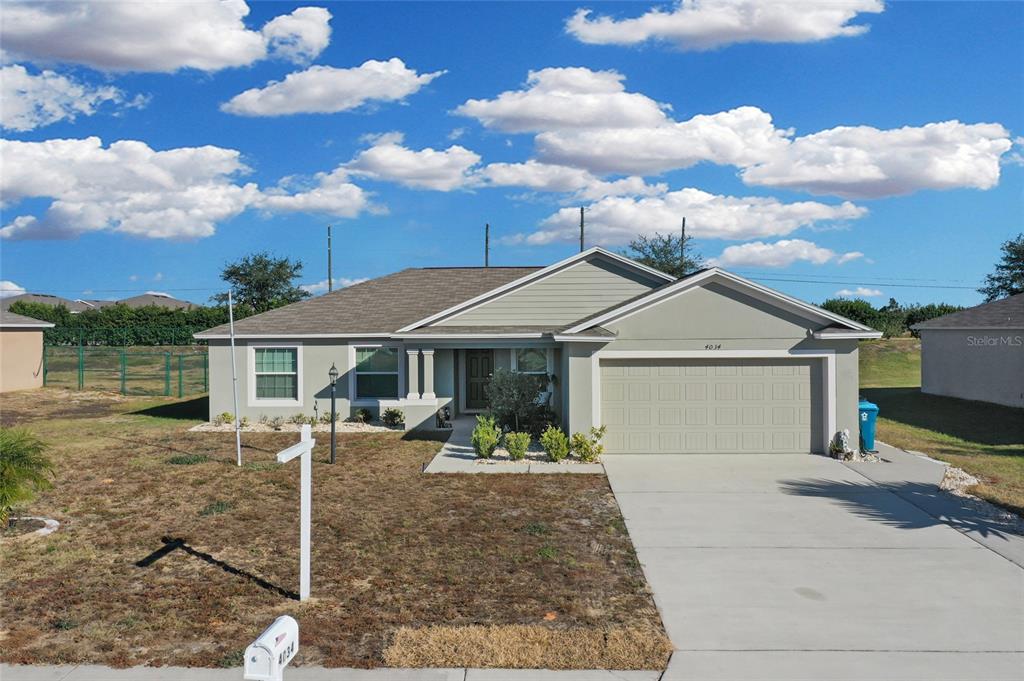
(330, 193)
(130, 188)
(438, 169)
(554, 178)
(208, 35)
(781, 253)
(566, 98)
(617, 220)
(859, 292)
(707, 24)
(9, 288)
(29, 101)
(867, 162)
(325, 89)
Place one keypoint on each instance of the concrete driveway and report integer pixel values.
(797, 567)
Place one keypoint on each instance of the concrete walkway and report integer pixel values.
(97, 673)
(798, 567)
(457, 456)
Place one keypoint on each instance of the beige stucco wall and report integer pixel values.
(21, 359)
(709, 322)
(984, 365)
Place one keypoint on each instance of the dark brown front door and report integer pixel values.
(479, 368)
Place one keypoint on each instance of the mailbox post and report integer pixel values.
(268, 655)
(303, 450)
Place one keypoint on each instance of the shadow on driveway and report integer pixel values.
(866, 500)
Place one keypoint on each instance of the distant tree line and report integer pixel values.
(122, 325)
(892, 319)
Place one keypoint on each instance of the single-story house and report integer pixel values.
(710, 362)
(21, 351)
(977, 353)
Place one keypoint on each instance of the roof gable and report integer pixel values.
(704, 278)
(632, 277)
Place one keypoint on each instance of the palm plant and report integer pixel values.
(24, 469)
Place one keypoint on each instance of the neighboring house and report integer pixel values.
(977, 353)
(157, 299)
(711, 362)
(46, 299)
(21, 351)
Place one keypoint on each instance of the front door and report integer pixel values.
(479, 368)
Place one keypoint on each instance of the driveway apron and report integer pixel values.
(795, 566)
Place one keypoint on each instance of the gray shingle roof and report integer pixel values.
(147, 299)
(8, 318)
(45, 298)
(1007, 313)
(378, 306)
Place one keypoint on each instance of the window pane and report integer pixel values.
(377, 359)
(377, 385)
(276, 359)
(532, 360)
(279, 386)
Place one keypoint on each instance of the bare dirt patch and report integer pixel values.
(168, 552)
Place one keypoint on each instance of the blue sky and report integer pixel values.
(823, 157)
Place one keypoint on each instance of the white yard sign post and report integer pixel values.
(303, 450)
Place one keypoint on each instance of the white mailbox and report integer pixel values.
(268, 655)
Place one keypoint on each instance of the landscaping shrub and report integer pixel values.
(226, 417)
(555, 443)
(485, 436)
(244, 421)
(362, 416)
(326, 418)
(588, 447)
(24, 469)
(276, 422)
(513, 398)
(299, 419)
(392, 417)
(517, 444)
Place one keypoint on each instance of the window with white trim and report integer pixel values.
(277, 373)
(533, 361)
(377, 373)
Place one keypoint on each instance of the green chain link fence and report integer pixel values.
(133, 370)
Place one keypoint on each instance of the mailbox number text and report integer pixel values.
(713, 346)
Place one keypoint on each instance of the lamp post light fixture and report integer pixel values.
(333, 373)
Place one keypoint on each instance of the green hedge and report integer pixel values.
(892, 319)
(123, 325)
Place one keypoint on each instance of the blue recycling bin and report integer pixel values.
(868, 416)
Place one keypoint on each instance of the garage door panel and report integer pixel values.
(740, 405)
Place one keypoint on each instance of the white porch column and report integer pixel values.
(414, 375)
(428, 375)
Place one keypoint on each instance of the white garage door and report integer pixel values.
(720, 406)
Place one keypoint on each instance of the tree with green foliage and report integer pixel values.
(512, 397)
(857, 309)
(667, 253)
(24, 469)
(262, 282)
(1008, 278)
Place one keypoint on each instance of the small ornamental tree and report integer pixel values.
(513, 398)
(24, 469)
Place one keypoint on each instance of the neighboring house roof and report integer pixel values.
(376, 307)
(10, 320)
(147, 299)
(1007, 313)
(94, 304)
(46, 299)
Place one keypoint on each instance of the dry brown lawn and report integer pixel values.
(168, 551)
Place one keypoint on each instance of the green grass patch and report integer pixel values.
(537, 529)
(986, 440)
(188, 459)
(216, 508)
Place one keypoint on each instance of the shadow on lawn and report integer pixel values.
(981, 422)
(876, 502)
(173, 544)
(197, 409)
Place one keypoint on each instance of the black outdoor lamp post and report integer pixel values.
(333, 373)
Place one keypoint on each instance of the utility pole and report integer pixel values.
(581, 229)
(330, 280)
(487, 244)
(682, 249)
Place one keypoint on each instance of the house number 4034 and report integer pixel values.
(713, 346)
